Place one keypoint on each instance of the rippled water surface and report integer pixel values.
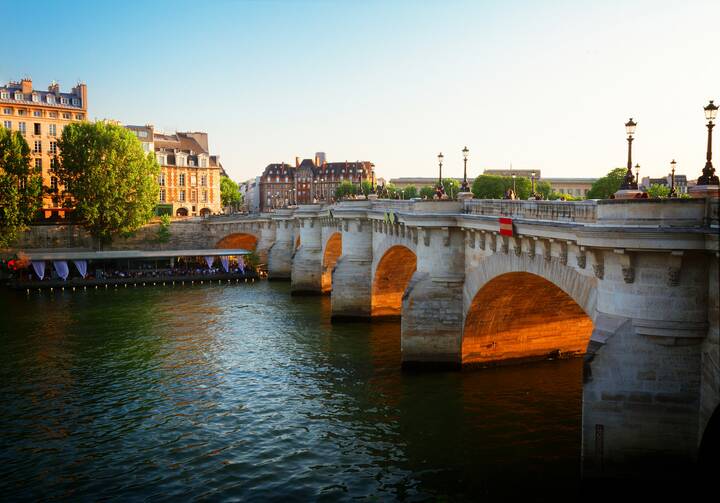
(242, 392)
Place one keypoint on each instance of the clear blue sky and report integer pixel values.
(544, 85)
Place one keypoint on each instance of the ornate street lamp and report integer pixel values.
(673, 192)
(372, 181)
(708, 173)
(465, 187)
(637, 175)
(440, 189)
(629, 182)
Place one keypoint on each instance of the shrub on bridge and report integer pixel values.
(345, 189)
(427, 192)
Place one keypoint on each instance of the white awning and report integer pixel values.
(131, 254)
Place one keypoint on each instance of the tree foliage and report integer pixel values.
(656, 190)
(365, 187)
(20, 186)
(495, 187)
(114, 183)
(410, 192)
(604, 187)
(163, 233)
(230, 195)
(544, 189)
(427, 192)
(451, 187)
(345, 189)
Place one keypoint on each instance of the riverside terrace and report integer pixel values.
(49, 270)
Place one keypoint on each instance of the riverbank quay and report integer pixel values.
(38, 270)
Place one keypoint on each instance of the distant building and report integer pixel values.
(41, 116)
(681, 183)
(250, 191)
(308, 181)
(189, 176)
(419, 182)
(576, 187)
(527, 173)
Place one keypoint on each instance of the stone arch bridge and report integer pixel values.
(632, 285)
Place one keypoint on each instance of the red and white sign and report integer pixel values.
(506, 226)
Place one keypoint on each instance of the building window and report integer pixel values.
(35, 97)
(63, 101)
(191, 162)
(21, 111)
(161, 160)
(4, 95)
(67, 115)
(7, 111)
(180, 160)
(53, 115)
(203, 180)
(182, 196)
(38, 147)
(79, 117)
(22, 183)
(193, 196)
(50, 98)
(37, 113)
(19, 96)
(193, 180)
(22, 127)
(52, 129)
(203, 162)
(76, 102)
(53, 147)
(161, 179)
(162, 195)
(181, 180)
(7, 124)
(38, 165)
(37, 129)
(53, 183)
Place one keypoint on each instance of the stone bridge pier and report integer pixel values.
(307, 262)
(280, 255)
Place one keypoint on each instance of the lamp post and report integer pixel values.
(465, 187)
(673, 192)
(372, 181)
(532, 184)
(629, 182)
(708, 173)
(513, 177)
(637, 175)
(440, 189)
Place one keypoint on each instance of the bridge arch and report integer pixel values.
(238, 240)
(331, 254)
(391, 278)
(518, 308)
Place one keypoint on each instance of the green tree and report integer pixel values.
(391, 191)
(604, 187)
(427, 192)
(451, 187)
(544, 189)
(163, 233)
(114, 182)
(495, 187)
(230, 195)
(656, 190)
(20, 186)
(345, 189)
(365, 187)
(410, 192)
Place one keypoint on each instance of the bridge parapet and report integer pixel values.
(559, 211)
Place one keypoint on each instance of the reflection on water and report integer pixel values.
(243, 392)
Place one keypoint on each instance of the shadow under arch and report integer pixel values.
(391, 279)
(520, 316)
(333, 250)
(238, 240)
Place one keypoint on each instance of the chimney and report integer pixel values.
(80, 90)
(297, 161)
(317, 160)
(54, 87)
(26, 85)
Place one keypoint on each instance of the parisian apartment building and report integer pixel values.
(189, 176)
(309, 180)
(41, 115)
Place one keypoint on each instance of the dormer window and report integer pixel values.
(63, 101)
(50, 98)
(4, 95)
(76, 102)
(19, 96)
(161, 159)
(191, 162)
(35, 97)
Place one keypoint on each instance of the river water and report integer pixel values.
(244, 393)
